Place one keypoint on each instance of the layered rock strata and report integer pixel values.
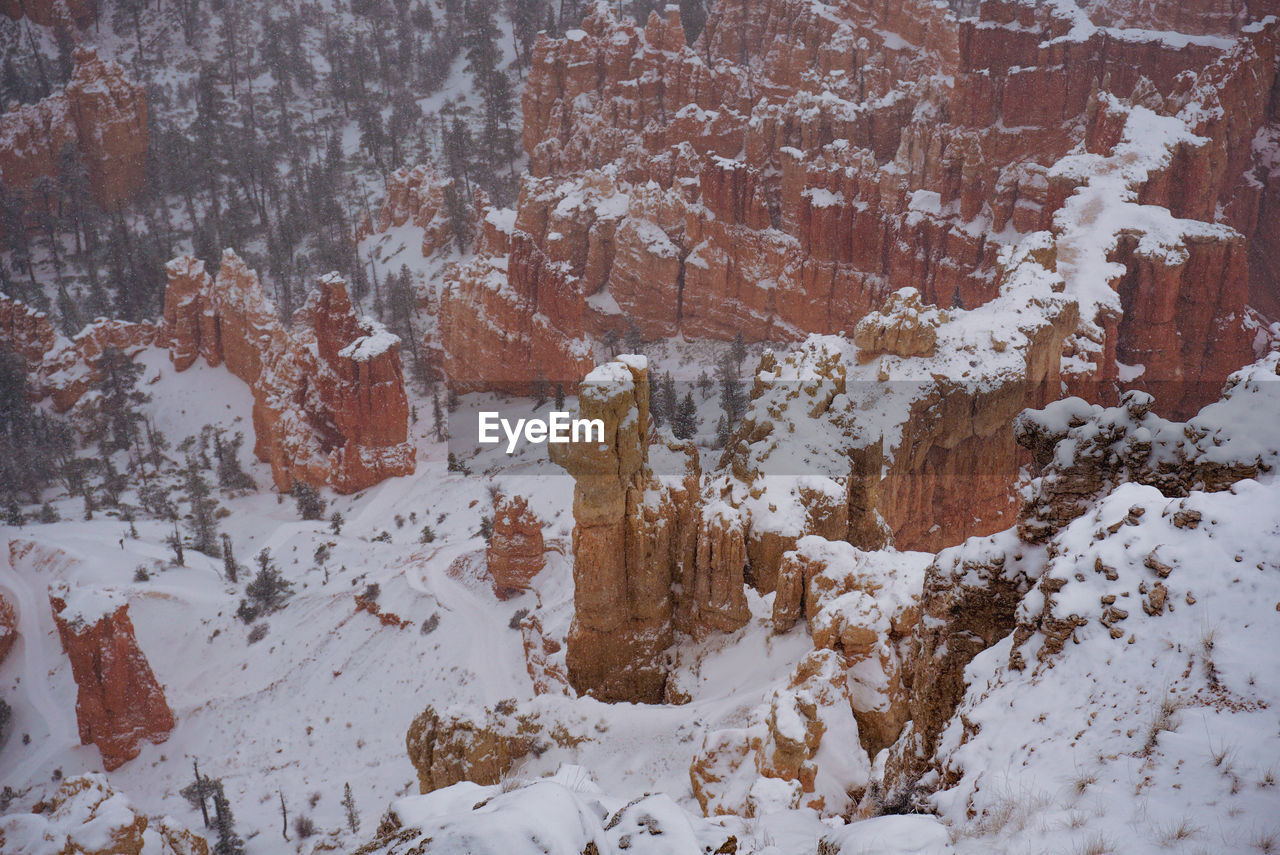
(1081, 452)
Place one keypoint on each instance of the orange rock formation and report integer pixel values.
(119, 702)
(329, 401)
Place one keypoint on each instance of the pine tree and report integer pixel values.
(230, 474)
(661, 409)
(310, 505)
(35, 448)
(733, 399)
(437, 415)
(268, 592)
(203, 524)
(738, 351)
(229, 565)
(229, 842)
(200, 790)
(175, 543)
(684, 424)
(118, 405)
(336, 522)
(349, 805)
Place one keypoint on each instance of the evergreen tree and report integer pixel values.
(229, 842)
(34, 447)
(437, 415)
(230, 474)
(738, 351)
(349, 806)
(229, 566)
(684, 424)
(174, 539)
(733, 399)
(310, 504)
(336, 522)
(267, 592)
(118, 414)
(661, 409)
(723, 432)
(693, 17)
(202, 524)
(199, 791)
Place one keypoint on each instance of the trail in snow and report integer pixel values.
(35, 626)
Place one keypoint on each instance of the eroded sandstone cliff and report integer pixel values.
(329, 405)
(101, 115)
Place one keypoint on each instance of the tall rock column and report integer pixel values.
(622, 572)
(119, 703)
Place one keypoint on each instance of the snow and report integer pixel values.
(377, 341)
(893, 835)
(86, 606)
(1073, 748)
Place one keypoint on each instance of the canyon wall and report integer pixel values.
(100, 116)
(795, 169)
(329, 405)
(52, 13)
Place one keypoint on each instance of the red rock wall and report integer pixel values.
(497, 326)
(8, 627)
(329, 400)
(101, 113)
(59, 368)
(52, 13)
(119, 703)
(817, 163)
(515, 552)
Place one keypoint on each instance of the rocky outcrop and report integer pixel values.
(59, 368)
(799, 749)
(52, 13)
(903, 327)
(544, 659)
(8, 627)
(622, 567)
(865, 607)
(329, 406)
(455, 745)
(647, 559)
(416, 195)
(515, 552)
(119, 703)
(1082, 450)
(971, 593)
(510, 323)
(974, 593)
(101, 115)
(87, 816)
